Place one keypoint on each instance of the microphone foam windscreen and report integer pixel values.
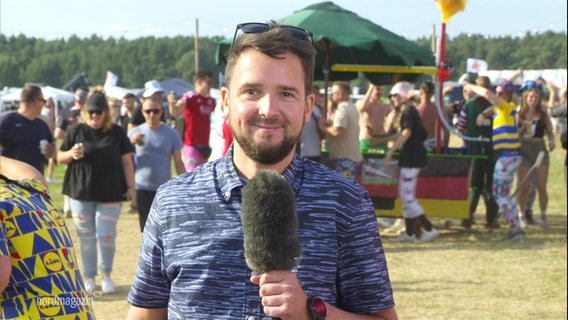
(270, 224)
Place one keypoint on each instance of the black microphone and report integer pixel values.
(270, 224)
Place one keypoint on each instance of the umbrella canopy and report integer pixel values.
(343, 37)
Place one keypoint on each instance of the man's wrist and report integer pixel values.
(316, 308)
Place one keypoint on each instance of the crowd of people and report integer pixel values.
(273, 118)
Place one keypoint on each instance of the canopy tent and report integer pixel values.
(177, 85)
(342, 37)
(61, 98)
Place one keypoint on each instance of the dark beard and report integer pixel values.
(267, 155)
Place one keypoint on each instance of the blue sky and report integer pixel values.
(50, 19)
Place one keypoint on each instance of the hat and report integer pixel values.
(530, 84)
(152, 87)
(507, 86)
(80, 95)
(96, 102)
(403, 89)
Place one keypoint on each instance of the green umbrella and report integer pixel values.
(343, 37)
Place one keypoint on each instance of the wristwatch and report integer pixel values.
(316, 308)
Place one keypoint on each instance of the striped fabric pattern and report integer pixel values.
(192, 257)
(505, 131)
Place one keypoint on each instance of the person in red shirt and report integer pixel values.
(197, 107)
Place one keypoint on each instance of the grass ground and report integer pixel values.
(465, 274)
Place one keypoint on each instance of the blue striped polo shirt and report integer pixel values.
(192, 256)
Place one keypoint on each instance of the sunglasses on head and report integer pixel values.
(154, 111)
(97, 112)
(260, 27)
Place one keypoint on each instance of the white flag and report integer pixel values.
(111, 79)
(476, 65)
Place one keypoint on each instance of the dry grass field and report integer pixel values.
(465, 274)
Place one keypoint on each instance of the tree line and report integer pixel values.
(54, 62)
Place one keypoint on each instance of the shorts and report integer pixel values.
(529, 151)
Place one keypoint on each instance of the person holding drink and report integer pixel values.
(99, 176)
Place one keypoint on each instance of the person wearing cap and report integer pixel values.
(342, 133)
(481, 177)
(411, 159)
(22, 131)
(195, 107)
(506, 145)
(152, 90)
(99, 176)
(534, 123)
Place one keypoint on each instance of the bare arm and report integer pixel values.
(178, 163)
(552, 96)
(59, 133)
(334, 131)
(128, 168)
(5, 272)
(136, 313)
(549, 133)
(484, 116)
(18, 170)
(363, 104)
(484, 92)
(175, 107)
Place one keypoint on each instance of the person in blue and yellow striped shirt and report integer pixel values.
(506, 145)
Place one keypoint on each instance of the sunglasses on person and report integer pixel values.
(154, 111)
(260, 27)
(97, 112)
(41, 99)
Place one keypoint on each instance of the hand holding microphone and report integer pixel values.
(271, 243)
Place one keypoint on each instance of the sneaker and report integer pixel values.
(107, 285)
(543, 222)
(398, 227)
(51, 180)
(385, 222)
(529, 217)
(133, 210)
(516, 234)
(467, 223)
(493, 225)
(404, 237)
(90, 285)
(428, 235)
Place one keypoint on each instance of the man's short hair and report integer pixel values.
(274, 43)
(30, 93)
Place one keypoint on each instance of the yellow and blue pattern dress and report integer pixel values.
(45, 281)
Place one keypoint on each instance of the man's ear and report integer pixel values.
(225, 100)
(310, 102)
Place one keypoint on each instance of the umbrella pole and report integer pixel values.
(441, 78)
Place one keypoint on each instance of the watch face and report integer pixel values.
(319, 307)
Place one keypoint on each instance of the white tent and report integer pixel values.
(120, 92)
(557, 77)
(61, 98)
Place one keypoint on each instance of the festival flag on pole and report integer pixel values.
(476, 65)
(449, 8)
(111, 79)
